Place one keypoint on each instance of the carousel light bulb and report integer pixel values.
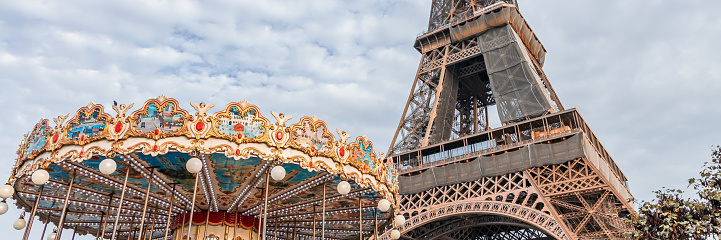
(51, 236)
(343, 187)
(40, 177)
(400, 220)
(19, 224)
(6, 191)
(395, 234)
(3, 207)
(384, 205)
(108, 166)
(194, 165)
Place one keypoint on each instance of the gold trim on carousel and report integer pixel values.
(276, 143)
(243, 108)
(314, 123)
(160, 102)
(82, 139)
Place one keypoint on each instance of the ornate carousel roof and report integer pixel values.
(237, 146)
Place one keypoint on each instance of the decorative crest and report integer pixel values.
(202, 108)
(240, 122)
(122, 109)
(162, 98)
(343, 136)
(60, 120)
(362, 155)
(281, 118)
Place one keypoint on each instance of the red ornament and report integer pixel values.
(55, 138)
(240, 135)
(157, 131)
(155, 148)
(237, 151)
(342, 151)
(312, 148)
(80, 154)
(199, 126)
(118, 127)
(82, 137)
(279, 135)
(311, 163)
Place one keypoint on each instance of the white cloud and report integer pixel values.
(643, 74)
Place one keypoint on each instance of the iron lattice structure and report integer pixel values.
(542, 175)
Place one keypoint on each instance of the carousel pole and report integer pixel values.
(65, 208)
(265, 210)
(235, 228)
(101, 226)
(47, 220)
(32, 214)
(192, 208)
(260, 223)
(182, 230)
(360, 217)
(75, 230)
(207, 220)
(152, 221)
(295, 228)
(314, 205)
(145, 205)
(170, 211)
(105, 219)
(375, 225)
(250, 231)
(132, 228)
(120, 205)
(322, 231)
(275, 232)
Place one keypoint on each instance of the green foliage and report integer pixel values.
(670, 216)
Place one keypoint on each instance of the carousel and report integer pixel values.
(162, 172)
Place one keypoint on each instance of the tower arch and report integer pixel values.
(493, 213)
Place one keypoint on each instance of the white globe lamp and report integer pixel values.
(6, 191)
(51, 236)
(278, 173)
(19, 224)
(40, 176)
(400, 220)
(194, 165)
(108, 166)
(3, 207)
(384, 205)
(395, 234)
(343, 187)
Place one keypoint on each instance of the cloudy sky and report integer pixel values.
(645, 75)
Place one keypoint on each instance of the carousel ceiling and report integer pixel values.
(237, 145)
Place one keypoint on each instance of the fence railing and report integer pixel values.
(546, 128)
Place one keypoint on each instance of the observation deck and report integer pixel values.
(561, 136)
(473, 23)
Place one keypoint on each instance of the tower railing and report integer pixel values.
(548, 128)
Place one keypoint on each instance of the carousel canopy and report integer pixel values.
(237, 146)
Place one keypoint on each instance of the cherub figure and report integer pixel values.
(202, 108)
(281, 118)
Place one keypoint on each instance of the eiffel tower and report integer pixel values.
(542, 175)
